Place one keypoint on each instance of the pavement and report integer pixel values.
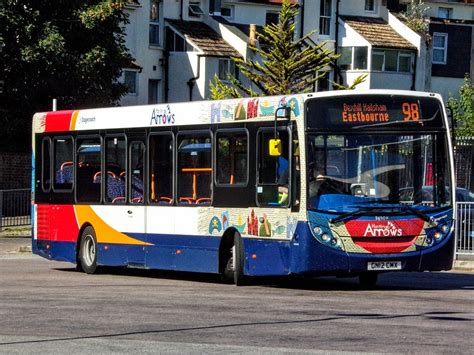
(18, 241)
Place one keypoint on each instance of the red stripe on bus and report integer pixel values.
(58, 121)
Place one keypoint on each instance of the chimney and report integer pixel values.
(253, 35)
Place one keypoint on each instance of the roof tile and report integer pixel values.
(377, 32)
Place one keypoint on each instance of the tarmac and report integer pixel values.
(17, 240)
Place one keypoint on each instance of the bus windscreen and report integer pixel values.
(373, 112)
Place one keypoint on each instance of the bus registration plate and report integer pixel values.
(384, 265)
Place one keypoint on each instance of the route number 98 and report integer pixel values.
(411, 111)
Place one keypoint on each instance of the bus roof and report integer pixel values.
(188, 113)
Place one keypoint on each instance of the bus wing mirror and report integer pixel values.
(274, 147)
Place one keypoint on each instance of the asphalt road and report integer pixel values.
(48, 307)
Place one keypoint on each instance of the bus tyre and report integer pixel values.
(239, 277)
(88, 251)
(368, 280)
(234, 269)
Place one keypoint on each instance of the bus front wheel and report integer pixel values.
(234, 269)
(88, 251)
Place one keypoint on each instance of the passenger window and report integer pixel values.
(89, 174)
(232, 158)
(63, 163)
(46, 167)
(115, 157)
(273, 171)
(137, 157)
(194, 169)
(161, 169)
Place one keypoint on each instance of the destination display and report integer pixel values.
(373, 111)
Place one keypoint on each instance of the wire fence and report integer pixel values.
(15, 208)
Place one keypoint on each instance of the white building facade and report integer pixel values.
(180, 45)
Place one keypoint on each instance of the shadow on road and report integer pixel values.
(436, 281)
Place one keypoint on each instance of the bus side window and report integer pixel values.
(161, 168)
(63, 163)
(46, 166)
(194, 168)
(231, 158)
(137, 158)
(273, 171)
(88, 165)
(115, 157)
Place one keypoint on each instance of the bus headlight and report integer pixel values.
(437, 233)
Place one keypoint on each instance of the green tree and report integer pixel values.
(71, 50)
(462, 110)
(283, 65)
(416, 19)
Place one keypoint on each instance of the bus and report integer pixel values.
(349, 183)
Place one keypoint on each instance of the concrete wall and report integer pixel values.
(357, 8)
(446, 86)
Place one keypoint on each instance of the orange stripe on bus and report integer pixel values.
(104, 232)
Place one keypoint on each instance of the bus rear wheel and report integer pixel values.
(368, 279)
(88, 251)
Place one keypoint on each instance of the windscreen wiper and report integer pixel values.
(347, 215)
(367, 210)
(417, 213)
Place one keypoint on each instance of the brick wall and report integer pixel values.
(15, 170)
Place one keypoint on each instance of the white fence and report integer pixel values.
(465, 229)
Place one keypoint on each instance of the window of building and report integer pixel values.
(404, 62)
(273, 171)
(345, 60)
(226, 68)
(46, 167)
(154, 26)
(272, 18)
(369, 5)
(232, 157)
(440, 48)
(160, 148)
(360, 58)
(194, 9)
(130, 80)
(137, 160)
(323, 82)
(378, 59)
(194, 168)
(325, 17)
(63, 150)
(89, 173)
(445, 12)
(353, 58)
(390, 60)
(227, 11)
(115, 167)
(153, 91)
(176, 43)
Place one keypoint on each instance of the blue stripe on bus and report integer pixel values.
(263, 257)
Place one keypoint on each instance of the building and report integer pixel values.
(179, 45)
(452, 39)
